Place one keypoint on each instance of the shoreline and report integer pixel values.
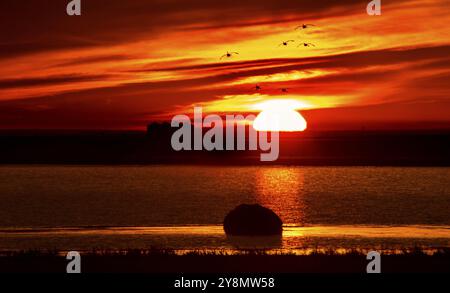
(251, 261)
(363, 230)
(295, 240)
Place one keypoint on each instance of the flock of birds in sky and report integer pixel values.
(284, 43)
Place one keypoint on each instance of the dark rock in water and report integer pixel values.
(252, 220)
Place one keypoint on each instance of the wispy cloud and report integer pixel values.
(123, 64)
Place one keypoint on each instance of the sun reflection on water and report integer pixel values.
(281, 189)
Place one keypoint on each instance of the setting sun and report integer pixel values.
(280, 116)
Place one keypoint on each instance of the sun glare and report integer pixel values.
(280, 116)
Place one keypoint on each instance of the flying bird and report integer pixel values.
(306, 45)
(229, 55)
(304, 26)
(284, 90)
(257, 88)
(285, 43)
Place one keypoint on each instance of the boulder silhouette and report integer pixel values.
(252, 220)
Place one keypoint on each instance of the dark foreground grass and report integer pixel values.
(256, 261)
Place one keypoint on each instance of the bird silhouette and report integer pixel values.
(284, 90)
(306, 45)
(304, 26)
(285, 43)
(257, 88)
(229, 55)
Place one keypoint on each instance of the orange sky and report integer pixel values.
(123, 64)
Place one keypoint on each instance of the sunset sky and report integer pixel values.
(123, 64)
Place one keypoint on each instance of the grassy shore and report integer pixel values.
(255, 261)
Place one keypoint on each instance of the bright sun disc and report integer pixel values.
(280, 116)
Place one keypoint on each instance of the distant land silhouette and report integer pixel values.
(384, 148)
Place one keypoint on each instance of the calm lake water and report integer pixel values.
(182, 207)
